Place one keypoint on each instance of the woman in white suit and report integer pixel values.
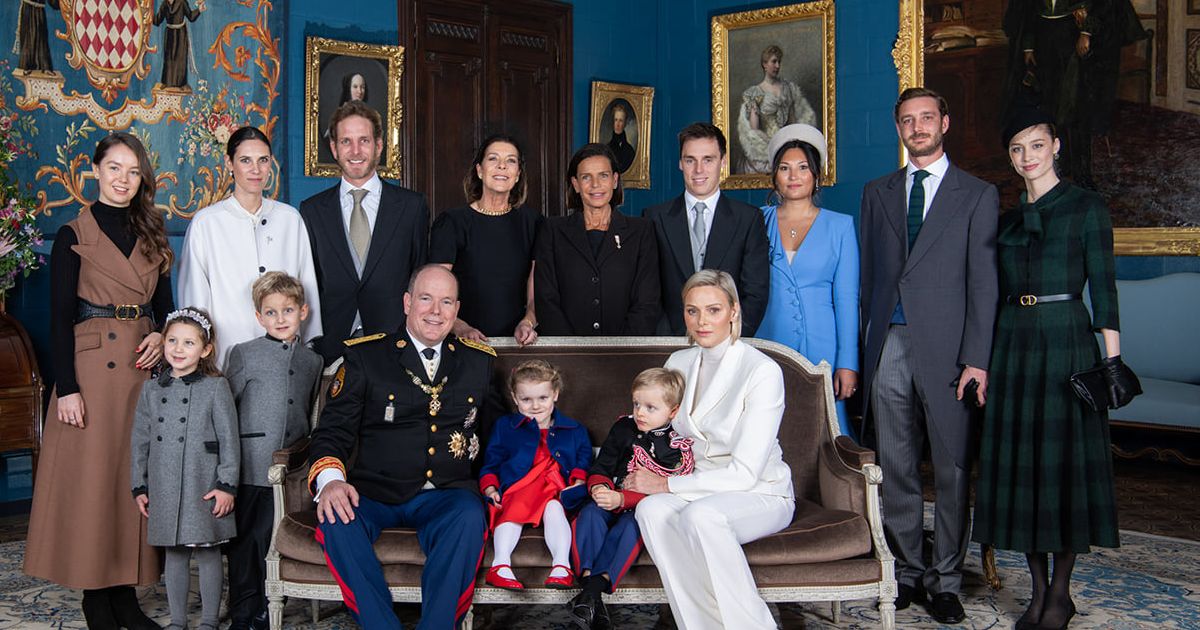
(694, 526)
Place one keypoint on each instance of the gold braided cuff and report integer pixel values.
(323, 464)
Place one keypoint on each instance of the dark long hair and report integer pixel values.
(814, 166)
(242, 135)
(473, 186)
(145, 220)
(593, 149)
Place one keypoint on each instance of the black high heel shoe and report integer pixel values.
(1065, 622)
(127, 611)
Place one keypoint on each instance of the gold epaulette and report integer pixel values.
(478, 345)
(325, 463)
(364, 339)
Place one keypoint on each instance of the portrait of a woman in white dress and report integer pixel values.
(767, 106)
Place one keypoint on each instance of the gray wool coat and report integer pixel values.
(184, 445)
(273, 383)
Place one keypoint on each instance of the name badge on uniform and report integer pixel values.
(389, 412)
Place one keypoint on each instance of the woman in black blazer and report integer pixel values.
(597, 269)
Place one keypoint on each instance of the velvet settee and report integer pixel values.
(833, 551)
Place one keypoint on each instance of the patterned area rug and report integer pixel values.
(1150, 582)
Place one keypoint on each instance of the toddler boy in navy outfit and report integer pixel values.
(273, 379)
(606, 536)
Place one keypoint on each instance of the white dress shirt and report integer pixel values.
(227, 248)
(937, 172)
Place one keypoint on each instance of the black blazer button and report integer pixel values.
(595, 301)
(291, 372)
(595, 279)
(112, 335)
(181, 439)
(595, 325)
(111, 365)
(185, 401)
(262, 269)
(264, 221)
(160, 438)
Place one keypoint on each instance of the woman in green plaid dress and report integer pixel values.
(1045, 472)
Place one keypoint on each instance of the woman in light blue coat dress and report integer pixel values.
(813, 305)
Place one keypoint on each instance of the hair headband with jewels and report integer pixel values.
(193, 315)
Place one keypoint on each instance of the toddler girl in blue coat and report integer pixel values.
(532, 456)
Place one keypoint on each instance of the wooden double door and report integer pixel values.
(477, 67)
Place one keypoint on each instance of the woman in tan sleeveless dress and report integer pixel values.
(110, 280)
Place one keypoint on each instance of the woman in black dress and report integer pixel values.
(597, 269)
(488, 244)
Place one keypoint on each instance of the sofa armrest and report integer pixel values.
(852, 453)
(841, 475)
(288, 476)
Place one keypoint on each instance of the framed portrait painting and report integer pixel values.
(1128, 130)
(621, 116)
(771, 68)
(344, 71)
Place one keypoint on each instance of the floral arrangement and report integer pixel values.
(18, 228)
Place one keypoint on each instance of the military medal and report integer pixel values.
(389, 412)
(473, 447)
(458, 445)
(469, 421)
(434, 391)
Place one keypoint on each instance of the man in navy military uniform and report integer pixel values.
(409, 401)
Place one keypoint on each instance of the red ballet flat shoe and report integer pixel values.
(564, 582)
(499, 581)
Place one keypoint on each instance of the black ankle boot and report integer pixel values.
(127, 611)
(97, 610)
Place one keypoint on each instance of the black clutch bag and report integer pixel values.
(1090, 387)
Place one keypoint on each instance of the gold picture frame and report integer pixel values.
(633, 155)
(332, 66)
(805, 35)
(909, 57)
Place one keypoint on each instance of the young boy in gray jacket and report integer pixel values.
(273, 379)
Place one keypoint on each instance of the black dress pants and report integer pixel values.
(253, 513)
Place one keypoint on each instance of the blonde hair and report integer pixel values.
(669, 381)
(723, 281)
(535, 371)
(276, 282)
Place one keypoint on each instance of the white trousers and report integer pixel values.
(697, 547)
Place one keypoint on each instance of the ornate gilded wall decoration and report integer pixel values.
(182, 75)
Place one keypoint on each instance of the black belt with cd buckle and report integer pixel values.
(120, 312)
(1034, 300)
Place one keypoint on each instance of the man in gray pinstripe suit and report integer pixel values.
(929, 296)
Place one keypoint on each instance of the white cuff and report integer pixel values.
(324, 477)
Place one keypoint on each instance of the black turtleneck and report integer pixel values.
(64, 283)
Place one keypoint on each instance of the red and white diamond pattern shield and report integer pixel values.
(108, 32)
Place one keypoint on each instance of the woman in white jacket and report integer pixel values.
(234, 241)
(694, 526)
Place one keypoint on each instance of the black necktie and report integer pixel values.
(916, 206)
(429, 353)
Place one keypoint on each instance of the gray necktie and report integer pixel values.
(699, 234)
(360, 230)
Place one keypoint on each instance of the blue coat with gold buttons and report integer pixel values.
(514, 442)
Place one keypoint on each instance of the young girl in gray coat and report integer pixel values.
(184, 467)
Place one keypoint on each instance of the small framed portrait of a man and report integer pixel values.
(621, 119)
(339, 72)
(772, 68)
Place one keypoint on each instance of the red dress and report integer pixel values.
(526, 499)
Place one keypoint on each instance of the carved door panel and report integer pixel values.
(480, 67)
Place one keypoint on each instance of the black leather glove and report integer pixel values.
(1122, 383)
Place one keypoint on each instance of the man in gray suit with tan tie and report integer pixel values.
(929, 298)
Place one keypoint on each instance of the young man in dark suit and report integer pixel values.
(929, 292)
(367, 235)
(703, 229)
